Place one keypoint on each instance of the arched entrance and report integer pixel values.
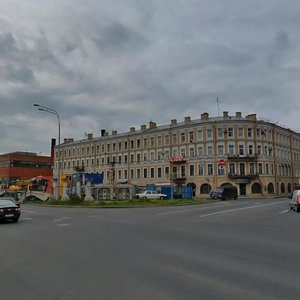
(205, 188)
(270, 188)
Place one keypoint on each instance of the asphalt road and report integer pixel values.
(243, 249)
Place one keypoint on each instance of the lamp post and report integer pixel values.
(54, 112)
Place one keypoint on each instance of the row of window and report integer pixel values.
(202, 169)
(164, 140)
(159, 155)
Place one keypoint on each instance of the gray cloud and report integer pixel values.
(117, 64)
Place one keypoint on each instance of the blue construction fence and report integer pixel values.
(184, 192)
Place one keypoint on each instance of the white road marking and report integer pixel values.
(63, 225)
(225, 203)
(28, 211)
(61, 219)
(238, 209)
(25, 219)
(284, 211)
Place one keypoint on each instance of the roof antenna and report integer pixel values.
(218, 105)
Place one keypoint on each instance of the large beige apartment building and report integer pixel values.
(258, 157)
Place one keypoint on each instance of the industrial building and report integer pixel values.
(258, 157)
(17, 166)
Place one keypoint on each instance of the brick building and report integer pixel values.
(24, 165)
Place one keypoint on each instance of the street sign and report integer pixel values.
(221, 162)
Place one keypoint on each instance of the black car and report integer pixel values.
(9, 211)
(225, 193)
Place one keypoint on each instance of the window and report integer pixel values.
(221, 170)
(259, 150)
(183, 171)
(232, 168)
(209, 134)
(159, 141)
(145, 156)
(138, 143)
(131, 144)
(159, 173)
(174, 138)
(231, 149)
(145, 173)
(152, 156)
(220, 150)
(191, 136)
(230, 132)
(152, 172)
(182, 137)
(192, 170)
(138, 173)
(249, 132)
(182, 151)
(260, 168)
(241, 131)
(241, 149)
(200, 135)
(200, 151)
(201, 169)
(210, 169)
(160, 155)
(152, 142)
(250, 149)
(220, 132)
(209, 150)
(138, 157)
(251, 168)
(131, 158)
(167, 140)
(145, 143)
(192, 153)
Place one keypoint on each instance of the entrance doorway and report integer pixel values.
(242, 189)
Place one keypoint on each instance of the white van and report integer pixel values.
(294, 201)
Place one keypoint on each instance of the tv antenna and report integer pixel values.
(218, 106)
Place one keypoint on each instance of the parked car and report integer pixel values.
(151, 195)
(294, 201)
(9, 211)
(12, 199)
(225, 192)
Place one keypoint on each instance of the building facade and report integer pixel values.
(258, 157)
(23, 166)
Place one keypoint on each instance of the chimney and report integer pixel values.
(53, 142)
(143, 127)
(152, 125)
(132, 129)
(102, 132)
(114, 132)
(65, 140)
(89, 136)
(225, 114)
(238, 114)
(187, 119)
(251, 117)
(205, 116)
(173, 122)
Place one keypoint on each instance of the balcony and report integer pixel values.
(243, 176)
(246, 157)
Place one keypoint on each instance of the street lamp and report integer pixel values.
(54, 112)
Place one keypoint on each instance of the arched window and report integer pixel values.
(205, 188)
(256, 188)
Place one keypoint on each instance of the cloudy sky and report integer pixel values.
(116, 64)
